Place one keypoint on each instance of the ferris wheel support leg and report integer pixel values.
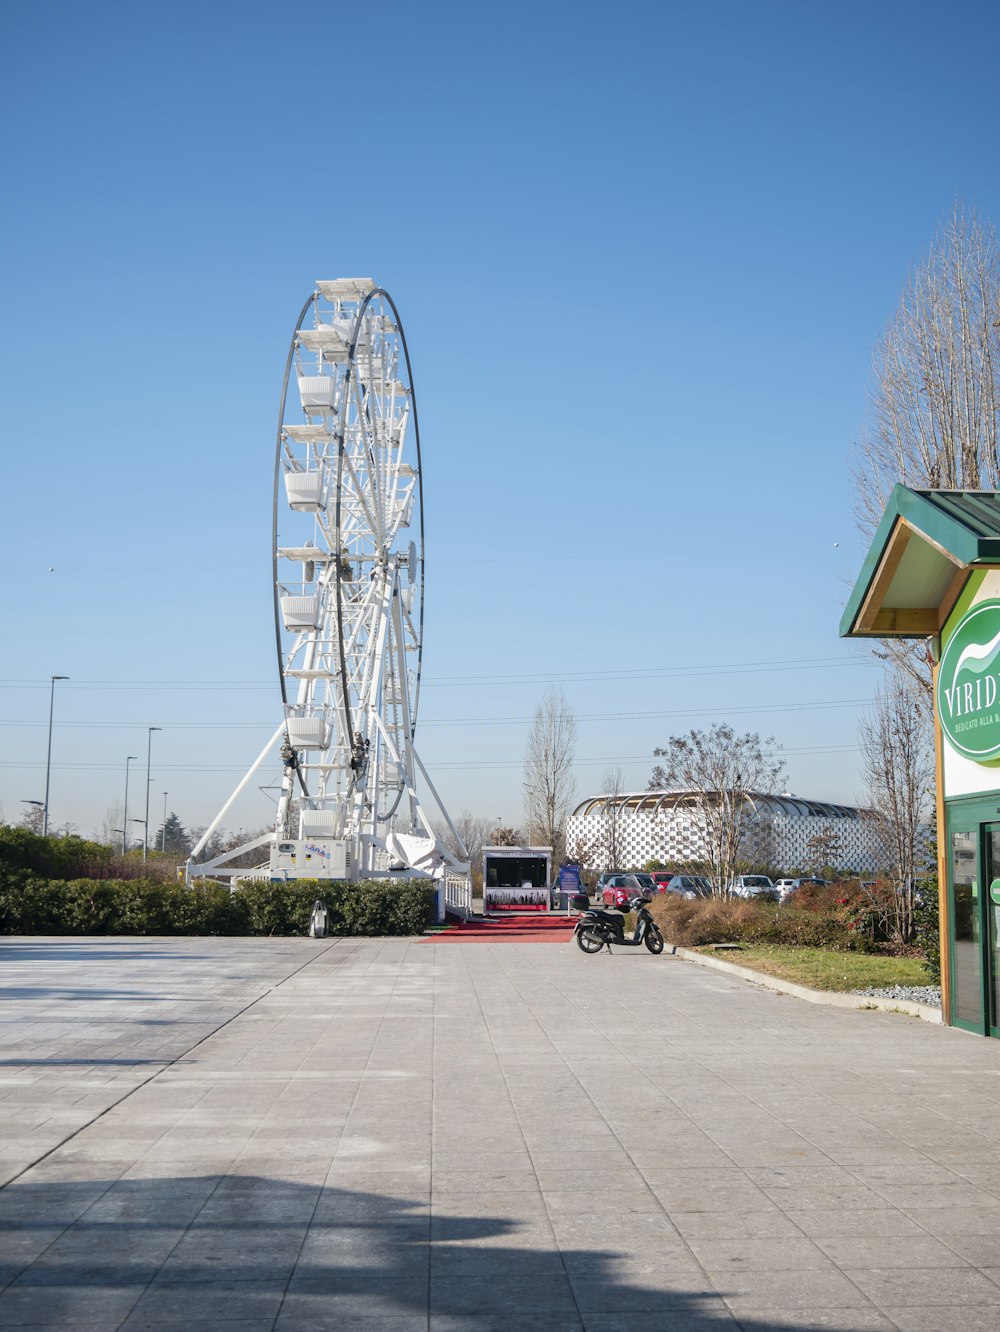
(410, 785)
(229, 803)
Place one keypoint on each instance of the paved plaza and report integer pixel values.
(392, 1135)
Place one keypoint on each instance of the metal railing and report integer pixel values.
(458, 894)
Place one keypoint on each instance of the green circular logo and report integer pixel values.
(995, 891)
(968, 690)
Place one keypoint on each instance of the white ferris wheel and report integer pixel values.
(348, 569)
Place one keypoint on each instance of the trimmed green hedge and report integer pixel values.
(31, 904)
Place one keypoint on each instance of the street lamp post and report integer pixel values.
(132, 758)
(48, 757)
(149, 750)
(163, 834)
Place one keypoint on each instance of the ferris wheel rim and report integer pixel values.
(371, 296)
(274, 518)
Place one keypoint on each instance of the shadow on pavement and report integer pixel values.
(248, 1252)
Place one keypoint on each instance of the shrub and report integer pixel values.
(52, 857)
(32, 904)
(714, 920)
(928, 922)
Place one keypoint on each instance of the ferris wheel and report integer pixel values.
(348, 590)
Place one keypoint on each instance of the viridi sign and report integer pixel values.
(968, 690)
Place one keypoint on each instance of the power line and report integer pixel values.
(554, 677)
(820, 705)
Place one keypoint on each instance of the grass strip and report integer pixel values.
(824, 969)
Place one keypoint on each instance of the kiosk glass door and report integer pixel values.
(991, 907)
(966, 972)
(974, 889)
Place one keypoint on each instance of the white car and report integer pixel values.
(754, 885)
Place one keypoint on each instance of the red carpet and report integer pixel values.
(508, 929)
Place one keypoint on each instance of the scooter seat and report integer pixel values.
(611, 917)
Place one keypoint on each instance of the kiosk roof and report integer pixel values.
(920, 557)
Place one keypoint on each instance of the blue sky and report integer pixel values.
(641, 252)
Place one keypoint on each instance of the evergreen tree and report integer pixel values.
(171, 837)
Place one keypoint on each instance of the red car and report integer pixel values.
(662, 877)
(619, 889)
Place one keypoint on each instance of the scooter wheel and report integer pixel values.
(654, 941)
(590, 939)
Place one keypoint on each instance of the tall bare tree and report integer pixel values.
(934, 407)
(110, 831)
(720, 773)
(548, 772)
(474, 833)
(604, 847)
(613, 819)
(898, 756)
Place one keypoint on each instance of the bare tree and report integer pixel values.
(897, 752)
(603, 849)
(720, 774)
(475, 832)
(934, 410)
(110, 831)
(506, 837)
(32, 818)
(823, 849)
(548, 772)
(613, 818)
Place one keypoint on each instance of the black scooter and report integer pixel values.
(597, 929)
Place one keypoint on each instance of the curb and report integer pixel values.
(832, 998)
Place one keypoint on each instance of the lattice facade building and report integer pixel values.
(668, 826)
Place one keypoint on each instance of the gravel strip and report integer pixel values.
(915, 994)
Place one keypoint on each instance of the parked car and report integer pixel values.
(602, 879)
(787, 888)
(690, 886)
(662, 877)
(620, 888)
(754, 885)
(647, 882)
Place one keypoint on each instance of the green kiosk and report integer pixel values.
(933, 572)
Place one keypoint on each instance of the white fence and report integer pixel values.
(458, 894)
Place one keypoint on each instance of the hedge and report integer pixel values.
(693, 923)
(33, 904)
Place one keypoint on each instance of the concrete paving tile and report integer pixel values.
(471, 1261)
(61, 1306)
(310, 1315)
(139, 1322)
(497, 1177)
(945, 1318)
(841, 1319)
(825, 1288)
(943, 1285)
(652, 1292)
(981, 1251)
(512, 1295)
(720, 1257)
(701, 1314)
(220, 1302)
(853, 1223)
(502, 1323)
(772, 1224)
(945, 1221)
(357, 1294)
(887, 1251)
